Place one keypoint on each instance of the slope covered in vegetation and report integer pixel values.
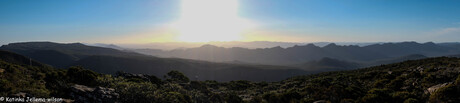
(432, 79)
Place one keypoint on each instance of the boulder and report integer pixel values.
(434, 88)
(321, 101)
(21, 94)
(419, 69)
(84, 94)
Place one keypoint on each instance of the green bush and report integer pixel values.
(401, 96)
(132, 92)
(239, 85)
(82, 76)
(411, 100)
(375, 94)
(233, 98)
(176, 76)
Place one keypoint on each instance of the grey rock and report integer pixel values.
(84, 94)
(21, 94)
(434, 88)
(321, 101)
(130, 75)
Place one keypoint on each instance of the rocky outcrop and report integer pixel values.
(130, 75)
(20, 94)
(434, 88)
(419, 69)
(321, 101)
(143, 77)
(84, 94)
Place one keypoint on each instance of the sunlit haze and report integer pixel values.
(156, 21)
(210, 20)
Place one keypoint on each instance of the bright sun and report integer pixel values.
(210, 20)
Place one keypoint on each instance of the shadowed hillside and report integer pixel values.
(18, 59)
(106, 60)
(194, 69)
(61, 55)
(329, 64)
(306, 53)
(425, 80)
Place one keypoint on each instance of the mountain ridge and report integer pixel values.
(109, 61)
(304, 53)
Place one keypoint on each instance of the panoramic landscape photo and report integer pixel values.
(230, 51)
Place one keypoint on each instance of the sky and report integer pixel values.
(147, 21)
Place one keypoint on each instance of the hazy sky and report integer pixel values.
(144, 21)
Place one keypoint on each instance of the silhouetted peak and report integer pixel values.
(43, 44)
(208, 46)
(304, 46)
(406, 43)
(429, 43)
(331, 45)
(277, 47)
(77, 44)
(311, 45)
(352, 46)
(25, 43)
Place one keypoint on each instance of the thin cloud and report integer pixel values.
(448, 31)
(442, 35)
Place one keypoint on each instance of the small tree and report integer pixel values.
(176, 76)
(153, 79)
(82, 76)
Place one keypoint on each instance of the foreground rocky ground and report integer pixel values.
(426, 80)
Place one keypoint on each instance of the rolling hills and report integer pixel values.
(109, 61)
(299, 54)
(425, 80)
(61, 55)
(242, 63)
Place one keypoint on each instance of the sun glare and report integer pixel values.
(210, 20)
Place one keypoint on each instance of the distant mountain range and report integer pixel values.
(62, 55)
(309, 52)
(229, 44)
(113, 46)
(107, 60)
(272, 56)
(210, 62)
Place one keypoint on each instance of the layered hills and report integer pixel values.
(109, 61)
(210, 62)
(425, 80)
(299, 54)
